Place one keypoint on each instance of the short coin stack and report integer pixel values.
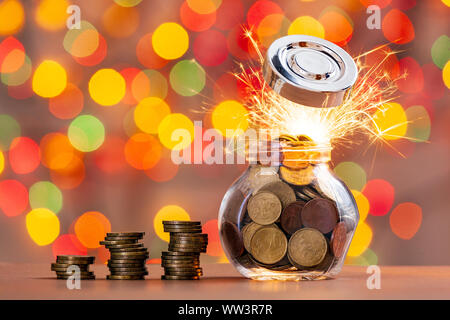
(64, 266)
(182, 260)
(128, 255)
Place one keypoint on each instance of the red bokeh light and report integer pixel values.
(229, 14)
(68, 244)
(110, 157)
(129, 74)
(24, 155)
(412, 74)
(210, 48)
(13, 197)
(195, 21)
(380, 194)
(259, 10)
(397, 28)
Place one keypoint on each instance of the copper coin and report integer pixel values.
(291, 219)
(233, 239)
(320, 214)
(338, 239)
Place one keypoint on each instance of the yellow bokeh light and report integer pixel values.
(361, 240)
(230, 115)
(107, 87)
(170, 212)
(446, 74)
(391, 121)
(446, 2)
(307, 25)
(49, 79)
(43, 226)
(170, 137)
(2, 162)
(363, 204)
(149, 113)
(52, 14)
(12, 17)
(170, 41)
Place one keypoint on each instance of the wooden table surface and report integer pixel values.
(221, 281)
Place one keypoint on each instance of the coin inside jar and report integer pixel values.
(299, 177)
(232, 237)
(291, 219)
(281, 190)
(264, 208)
(320, 214)
(268, 245)
(307, 247)
(338, 239)
(247, 233)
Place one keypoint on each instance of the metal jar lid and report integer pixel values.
(309, 71)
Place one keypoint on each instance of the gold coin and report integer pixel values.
(247, 233)
(300, 177)
(264, 208)
(307, 247)
(268, 245)
(287, 137)
(282, 191)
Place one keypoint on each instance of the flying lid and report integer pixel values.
(309, 71)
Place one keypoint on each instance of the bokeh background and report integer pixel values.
(86, 115)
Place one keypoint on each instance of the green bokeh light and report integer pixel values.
(440, 51)
(187, 78)
(352, 174)
(419, 124)
(44, 194)
(9, 129)
(86, 133)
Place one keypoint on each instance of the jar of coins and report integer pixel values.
(293, 219)
(290, 221)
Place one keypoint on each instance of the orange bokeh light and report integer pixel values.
(91, 228)
(142, 151)
(68, 104)
(405, 220)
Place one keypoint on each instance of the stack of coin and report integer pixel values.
(64, 267)
(128, 255)
(182, 260)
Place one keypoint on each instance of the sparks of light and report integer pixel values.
(329, 126)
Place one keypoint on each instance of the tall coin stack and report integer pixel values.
(64, 266)
(182, 260)
(128, 255)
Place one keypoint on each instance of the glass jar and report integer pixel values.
(290, 218)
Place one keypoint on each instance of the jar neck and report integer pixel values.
(299, 154)
(291, 154)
